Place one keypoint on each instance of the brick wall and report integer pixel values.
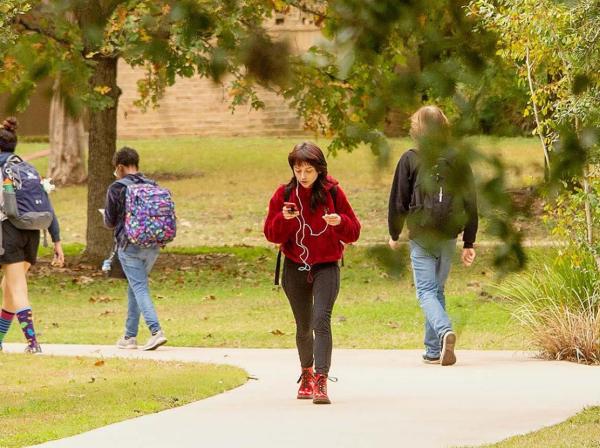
(200, 107)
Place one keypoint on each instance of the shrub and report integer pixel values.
(558, 304)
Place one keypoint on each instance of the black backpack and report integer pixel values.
(437, 208)
(286, 197)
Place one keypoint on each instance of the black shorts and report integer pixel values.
(19, 245)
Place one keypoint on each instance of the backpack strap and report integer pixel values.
(277, 268)
(10, 158)
(333, 192)
(126, 182)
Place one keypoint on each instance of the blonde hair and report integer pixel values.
(427, 120)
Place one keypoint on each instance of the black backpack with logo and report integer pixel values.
(437, 206)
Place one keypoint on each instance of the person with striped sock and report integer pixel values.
(6, 318)
(20, 247)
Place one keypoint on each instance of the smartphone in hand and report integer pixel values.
(291, 207)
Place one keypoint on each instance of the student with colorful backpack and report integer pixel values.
(142, 215)
(26, 209)
(311, 219)
(434, 193)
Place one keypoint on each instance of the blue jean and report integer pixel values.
(137, 263)
(431, 267)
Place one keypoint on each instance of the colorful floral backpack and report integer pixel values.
(149, 214)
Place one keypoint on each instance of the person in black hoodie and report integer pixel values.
(434, 192)
(137, 262)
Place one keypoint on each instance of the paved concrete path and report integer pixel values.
(382, 399)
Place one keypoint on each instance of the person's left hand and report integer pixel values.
(333, 219)
(59, 257)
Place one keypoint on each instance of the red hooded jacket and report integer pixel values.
(324, 248)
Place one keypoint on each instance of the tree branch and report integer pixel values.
(535, 109)
(42, 31)
(302, 7)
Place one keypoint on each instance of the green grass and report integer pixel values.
(47, 398)
(225, 184)
(224, 297)
(580, 431)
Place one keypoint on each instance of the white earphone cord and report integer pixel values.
(302, 230)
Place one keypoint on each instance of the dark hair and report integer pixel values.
(8, 135)
(307, 152)
(127, 157)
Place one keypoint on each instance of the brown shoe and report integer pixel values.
(320, 394)
(448, 357)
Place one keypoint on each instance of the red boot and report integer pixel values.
(307, 384)
(320, 394)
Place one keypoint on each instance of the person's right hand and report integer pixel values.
(287, 214)
(394, 244)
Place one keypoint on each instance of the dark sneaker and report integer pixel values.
(448, 357)
(307, 384)
(155, 341)
(431, 359)
(320, 390)
(33, 349)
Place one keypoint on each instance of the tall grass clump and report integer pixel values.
(557, 301)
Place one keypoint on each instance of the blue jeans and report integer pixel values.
(430, 270)
(137, 263)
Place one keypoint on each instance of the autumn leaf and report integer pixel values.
(102, 90)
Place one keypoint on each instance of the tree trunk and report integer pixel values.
(102, 146)
(536, 114)
(67, 143)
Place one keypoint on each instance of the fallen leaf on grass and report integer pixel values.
(393, 325)
(277, 332)
(99, 363)
(101, 299)
(83, 280)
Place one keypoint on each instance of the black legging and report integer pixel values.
(312, 315)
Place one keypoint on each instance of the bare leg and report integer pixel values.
(14, 286)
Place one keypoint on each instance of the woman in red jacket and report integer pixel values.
(311, 218)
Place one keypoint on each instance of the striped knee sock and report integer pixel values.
(6, 318)
(26, 321)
